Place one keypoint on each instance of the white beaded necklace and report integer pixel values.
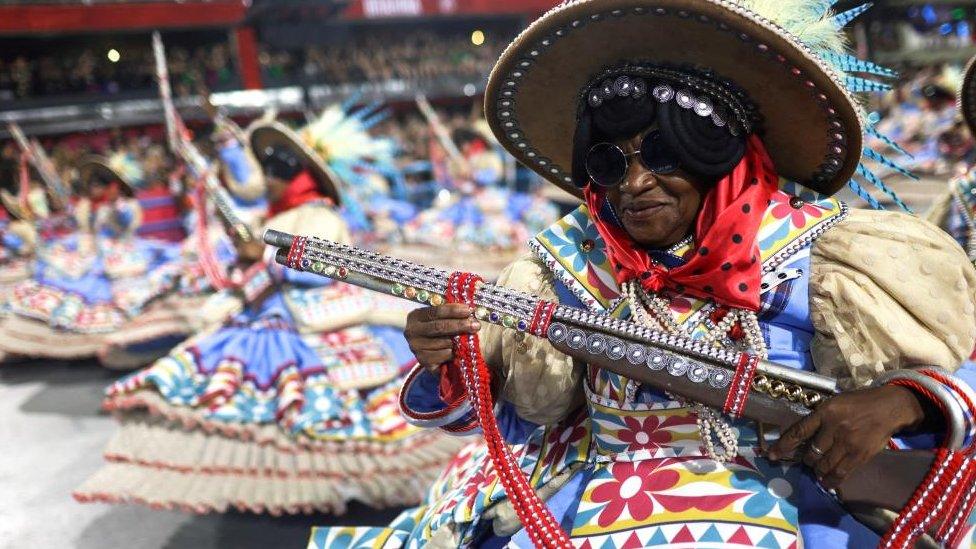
(654, 311)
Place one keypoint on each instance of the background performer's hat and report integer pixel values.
(266, 134)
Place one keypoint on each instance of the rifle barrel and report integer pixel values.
(887, 481)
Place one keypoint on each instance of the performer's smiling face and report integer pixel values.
(657, 210)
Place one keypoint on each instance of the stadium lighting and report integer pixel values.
(114, 55)
(478, 37)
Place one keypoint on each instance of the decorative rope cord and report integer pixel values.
(207, 257)
(941, 489)
(540, 524)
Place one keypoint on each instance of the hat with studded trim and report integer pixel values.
(777, 68)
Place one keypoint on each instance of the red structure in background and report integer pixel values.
(79, 18)
(247, 54)
(29, 19)
(371, 9)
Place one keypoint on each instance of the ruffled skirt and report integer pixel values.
(257, 417)
(75, 298)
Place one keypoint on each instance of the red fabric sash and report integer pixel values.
(302, 189)
(725, 266)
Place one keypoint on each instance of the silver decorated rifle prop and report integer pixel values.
(184, 148)
(689, 369)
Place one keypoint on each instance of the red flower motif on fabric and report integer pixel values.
(649, 434)
(798, 216)
(560, 441)
(479, 482)
(631, 490)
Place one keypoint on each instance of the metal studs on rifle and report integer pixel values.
(576, 339)
(656, 360)
(698, 373)
(636, 354)
(556, 333)
(616, 349)
(596, 344)
(678, 367)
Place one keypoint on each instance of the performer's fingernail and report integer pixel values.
(475, 325)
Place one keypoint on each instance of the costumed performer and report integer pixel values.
(290, 406)
(706, 138)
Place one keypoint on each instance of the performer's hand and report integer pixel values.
(430, 332)
(251, 251)
(848, 430)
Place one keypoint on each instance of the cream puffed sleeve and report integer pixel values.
(542, 383)
(889, 291)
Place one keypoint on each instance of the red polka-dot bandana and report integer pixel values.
(725, 267)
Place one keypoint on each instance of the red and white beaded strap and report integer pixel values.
(745, 371)
(542, 318)
(540, 524)
(951, 531)
(296, 253)
(931, 495)
(928, 502)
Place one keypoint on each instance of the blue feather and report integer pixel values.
(849, 63)
(859, 191)
(882, 159)
(842, 19)
(376, 118)
(351, 101)
(871, 130)
(857, 84)
(876, 181)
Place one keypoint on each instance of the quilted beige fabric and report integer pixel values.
(889, 291)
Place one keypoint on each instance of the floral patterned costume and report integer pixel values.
(88, 284)
(622, 465)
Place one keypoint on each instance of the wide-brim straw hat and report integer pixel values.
(811, 124)
(967, 96)
(269, 133)
(97, 164)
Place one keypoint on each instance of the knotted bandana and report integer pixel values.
(725, 267)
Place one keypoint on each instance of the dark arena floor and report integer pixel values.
(51, 426)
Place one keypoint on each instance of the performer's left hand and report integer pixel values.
(249, 252)
(848, 430)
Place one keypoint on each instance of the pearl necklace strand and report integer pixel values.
(654, 312)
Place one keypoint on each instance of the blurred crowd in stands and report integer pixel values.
(384, 56)
(380, 56)
(93, 73)
(920, 114)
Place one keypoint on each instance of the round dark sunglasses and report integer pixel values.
(607, 164)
